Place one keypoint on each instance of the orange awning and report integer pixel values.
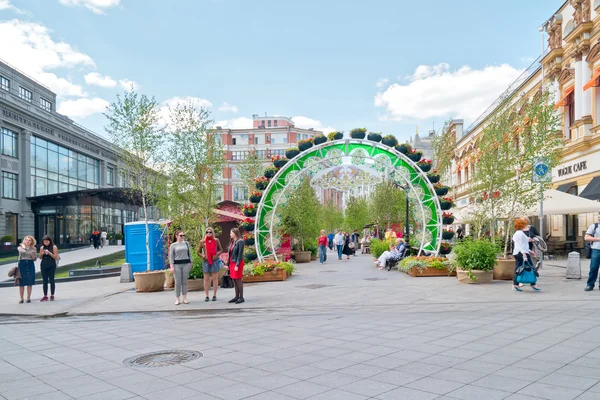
(566, 94)
(592, 82)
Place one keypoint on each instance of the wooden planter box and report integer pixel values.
(149, 281)
(414, 272)
(279, 275)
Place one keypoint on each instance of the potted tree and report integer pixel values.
(319, 139)
(433, 176)
(374, 137)
(261, 183)
(404, 148)
(7, 240)
(335, 136)
(425, 165)
(358, 133)
(415, 155)
(279, 161)
(305, 144)
(475, 260)
(446, 203)
(270, 172)
(389, 140)
(119, 238)
(255, 196)
(291, 152)
(447, 233)
(196, 276)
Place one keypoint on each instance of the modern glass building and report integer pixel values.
(57, 178)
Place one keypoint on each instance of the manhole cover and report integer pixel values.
(315, 286)
(375, 279)
(162, 358)
(330, 270)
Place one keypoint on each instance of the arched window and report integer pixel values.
(596, 4)
(569, 28)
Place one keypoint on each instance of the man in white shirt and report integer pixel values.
(338, 242)
(593, 235)
(103, 236)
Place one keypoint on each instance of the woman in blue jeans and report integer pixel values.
(323, 241)
(593, 235)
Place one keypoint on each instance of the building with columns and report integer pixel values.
(570, 68)
(58, 178)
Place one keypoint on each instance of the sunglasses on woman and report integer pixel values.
(208, 232)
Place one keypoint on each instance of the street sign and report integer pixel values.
(541, 171)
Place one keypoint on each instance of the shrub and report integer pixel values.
(379, 246)
(477, 255)
(420, 263)
(7, 238)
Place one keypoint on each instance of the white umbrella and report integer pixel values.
(557, 202)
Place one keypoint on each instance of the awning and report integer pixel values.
(594, 81)
(592, 190)
(565, 187)
(566, 94)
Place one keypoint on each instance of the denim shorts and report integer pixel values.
(214, 267)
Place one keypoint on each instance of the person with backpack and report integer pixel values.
(593, 235)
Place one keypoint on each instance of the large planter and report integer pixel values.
(357, 135)
(390, 142)
(313, 257)
(149, 281)
(119, 242)
(305, 146)
(319, 139)
(414, 156)
(249, 213)
(280, 162)
(424, 167)
(433, 178)
(261, 185)
(196, 285)
(289, 154)
(277, 274)
(302, 256)
(441, 191)
(447, 235)
(403, 148)
(169, 279)
(504, 270)
(374, 137)
(482, 276)
(414, 272)
(447, 220)
(255, 199)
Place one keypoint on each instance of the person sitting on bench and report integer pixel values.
(395, 254)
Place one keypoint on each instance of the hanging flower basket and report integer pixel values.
(447, 218)
(415, 155)
(440, 189)
(305, 144)
(374, 137)
(249, 239)
(425, 165)
(250, 254)
(270, 172)
(445, 248)
(433, 177)
(390, 140)
(255, 197)
(319, 139)
(358, 133)
(446, 203)
(335, 136)
(261, 183)
(247, 225)
(292, 152)
(249, 210)
(404, 148)
(279, 161)
(447, 234)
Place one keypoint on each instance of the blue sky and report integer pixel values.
(383, 64)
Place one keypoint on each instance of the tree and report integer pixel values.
(356, 214)
(197, 157)
(250, 168)
(301, 216)
(387, 204)
(332, 217)
(134, 127)
(442, 157)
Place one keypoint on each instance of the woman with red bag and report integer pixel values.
(236, 264)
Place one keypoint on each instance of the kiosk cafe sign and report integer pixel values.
(577, 167)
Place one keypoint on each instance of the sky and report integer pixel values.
(388, 65)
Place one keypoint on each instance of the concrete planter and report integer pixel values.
(504, 270)
(302, 256)
(149, 281)
(482, 276)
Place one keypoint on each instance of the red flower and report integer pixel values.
(248, 221)
(276, 158)
(446, 214)
(249, 207)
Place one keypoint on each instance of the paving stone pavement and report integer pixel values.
(395, 338)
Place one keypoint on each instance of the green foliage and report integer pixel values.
(250, 168)
(379, 246)
(359, 130)
(331, 135)
(357, 214)
(7, 238)
(479, 254)
(442, 158)
(196, 270)
(261, 268)
(312, 247)
(420, 263)
(118, 236)
(387, 205)
(332, 217)
(301, 215)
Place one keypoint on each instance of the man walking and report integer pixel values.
(354, 239)
(593, 235)
(338, 242)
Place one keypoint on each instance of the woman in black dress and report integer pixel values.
(347, 250)
(49, 256)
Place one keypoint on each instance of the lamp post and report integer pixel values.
(406, 188)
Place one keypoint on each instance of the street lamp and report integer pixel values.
(406, 188)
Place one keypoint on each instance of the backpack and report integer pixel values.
(588, 246)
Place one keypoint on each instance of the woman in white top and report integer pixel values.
(521, 250)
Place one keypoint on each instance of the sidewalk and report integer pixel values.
(68, 257)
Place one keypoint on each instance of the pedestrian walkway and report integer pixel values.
(342, 330)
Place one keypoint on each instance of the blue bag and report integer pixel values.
(526, 274)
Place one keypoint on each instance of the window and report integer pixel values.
(25, 94)
(275, 123)
(278, 153)
(269, 123)
(235, 174)
(233, 141)
(9, 143)
(255, 140)
(121, 180)
(4, 83)
(110, 176)
(240, 193)
(238, 155)
(570, 109)
(9, 185)
(45, 104)
(459, 177)
(466, 174)
(262, 123)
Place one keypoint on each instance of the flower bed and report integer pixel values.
(267, 271)
(427, 266)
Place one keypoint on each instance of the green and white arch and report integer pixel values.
(401, 169)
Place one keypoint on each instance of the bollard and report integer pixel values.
(126, 275)
(574, 266)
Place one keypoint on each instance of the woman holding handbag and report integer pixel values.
(236, 264)
(27, 256)
(180, 261)
(210, 249)
(521, 252)
(49, 257)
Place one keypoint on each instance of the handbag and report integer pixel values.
(351, 245)
(526, 274)
(227, 281)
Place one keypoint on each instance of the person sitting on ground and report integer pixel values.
(395, 254)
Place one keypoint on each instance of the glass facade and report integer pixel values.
(10, 184)
(56, 169)
(9, 143)
(110, 176)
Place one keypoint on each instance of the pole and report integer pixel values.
(541, 184)
(407, 241)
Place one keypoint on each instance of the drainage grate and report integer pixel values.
(315, 286)
(375, 279)
(162, 358)
(330, 270)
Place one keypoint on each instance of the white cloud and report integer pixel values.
(95, 79)
(306, 123)
(165, 109)
(435, 91)
(228, 107)
(6, 5)
(127, 84)
(29, 47)
(235, 123)
(82, 108)
(96, 6)
(381, 82)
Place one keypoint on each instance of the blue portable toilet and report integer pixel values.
(135, 246)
